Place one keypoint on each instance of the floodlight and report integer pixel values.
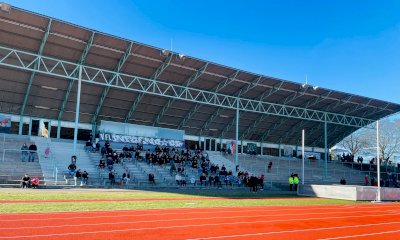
(181, 56)
(5, 7)
(315, 87)
(165, 52)
(304, 85)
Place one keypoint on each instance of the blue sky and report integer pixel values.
(351, 46)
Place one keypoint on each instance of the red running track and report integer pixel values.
(369, 221)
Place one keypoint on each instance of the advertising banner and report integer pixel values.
(5, 124)
(141, 140)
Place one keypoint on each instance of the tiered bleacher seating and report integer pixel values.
(12, 168)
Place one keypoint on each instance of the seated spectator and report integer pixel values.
(217, 181)
(78, 176)
(85, 177)
(126, 177)
(111, 177)
(102, 163)
(110, 163)
(178, 179)
(35, 182)
(193, 180)
(94, 147)
(343, 181)
(72, 169)
(203, 180)
(88, 146)
(211, 180)
(25, 181)
(151, 178)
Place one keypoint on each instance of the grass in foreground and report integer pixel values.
(194, 200)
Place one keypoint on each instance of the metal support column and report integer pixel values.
(30, 127)
(326, 148)
(237, 133)
(279, 148)
(261, 146)
(78, 101)
(58, 129)
(241, 146)
(378, 164)
(302, 156)
(94, 126)
(199, 144)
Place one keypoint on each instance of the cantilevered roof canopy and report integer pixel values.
(127, 81)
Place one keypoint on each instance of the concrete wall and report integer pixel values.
(355, 193)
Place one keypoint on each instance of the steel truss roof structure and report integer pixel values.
(131, 82)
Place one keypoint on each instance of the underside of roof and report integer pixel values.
(41, 95)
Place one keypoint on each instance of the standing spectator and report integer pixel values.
(343, 181)
(296, 182)
(151, 178)
(126, 177)
(35, 182)
(111, 177)
(85, 177)
(269, 166)
(32, 152)
(291, 182)
(25, 181)
(253, 181)
(261, 182)
(24, 152)
(366, 180)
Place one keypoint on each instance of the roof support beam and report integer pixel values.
(216, 89)
(112, 78)
(255, 124)
(292, 130)
(71, 82)
(270, 130)
(33, 74)
(196, 75)
(16, 59)
(157, 73)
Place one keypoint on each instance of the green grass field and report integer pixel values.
(24, 201)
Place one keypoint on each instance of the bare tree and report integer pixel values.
(389, 139)
(355, 142)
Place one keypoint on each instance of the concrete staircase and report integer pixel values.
(11, 166)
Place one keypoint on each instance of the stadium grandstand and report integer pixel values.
(62, 85)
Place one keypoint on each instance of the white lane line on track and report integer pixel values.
(212, 211)
(192, 219)
(254, 208)
(361, 235)
(296, 230)
(202, 225)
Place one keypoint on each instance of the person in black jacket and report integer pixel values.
(111, 177)
(32, 152)
(25, 181)
(85, 177)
